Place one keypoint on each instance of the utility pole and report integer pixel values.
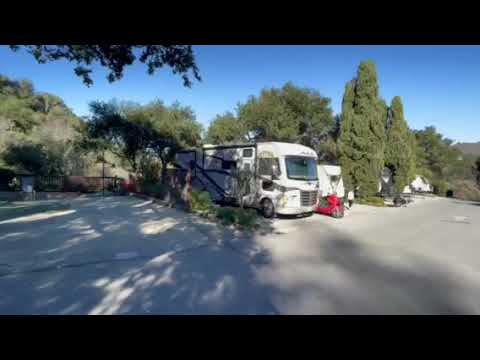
(103, 173)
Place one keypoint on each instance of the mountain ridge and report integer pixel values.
(469, 148)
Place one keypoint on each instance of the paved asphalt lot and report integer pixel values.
(122, 255)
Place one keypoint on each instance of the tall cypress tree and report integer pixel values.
(412, 168)
(399, 156)
(348, 153)
(362, 132)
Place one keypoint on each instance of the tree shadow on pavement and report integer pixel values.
(465, 202)
(208, 280)
(343, 276)
(179, 263)
(182, 264)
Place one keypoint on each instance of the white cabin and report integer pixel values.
(330, 181)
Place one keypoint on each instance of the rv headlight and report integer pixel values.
(283, 200)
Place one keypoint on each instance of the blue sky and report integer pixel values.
(439, 85)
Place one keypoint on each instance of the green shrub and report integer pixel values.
(201, 202)
(226, 215)
(149, 169)
(247, 218)
(156, 190)
(372, 201)
(440, 187)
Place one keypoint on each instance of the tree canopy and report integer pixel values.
(115, 58)
(443, 163)
(136, 132)
(435, 151)
(224, 129)
(291, 114)
(111, 130)
(170, 128)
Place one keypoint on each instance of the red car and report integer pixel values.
(331, 205)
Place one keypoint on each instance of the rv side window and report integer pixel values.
(247, 153)
(267, 185)
(227, 165)
(265, 166)
(334, 178)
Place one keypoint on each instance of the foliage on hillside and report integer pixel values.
(41, 135)
(38, 132)
(466, 190)
(441, 162)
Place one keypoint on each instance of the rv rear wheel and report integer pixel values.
(267, 208)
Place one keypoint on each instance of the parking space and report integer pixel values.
(124, 255)
(416, 259)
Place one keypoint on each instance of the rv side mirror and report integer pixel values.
(267, 183)
(275, 172)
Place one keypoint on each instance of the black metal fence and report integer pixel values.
(83, 184)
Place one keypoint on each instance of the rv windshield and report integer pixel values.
(301, 168)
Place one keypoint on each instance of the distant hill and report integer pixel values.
(28, 116)
(469, 148)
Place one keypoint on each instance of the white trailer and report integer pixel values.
(283, 176)
(421, 184)
(330, 181)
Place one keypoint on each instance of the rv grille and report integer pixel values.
(308, 198)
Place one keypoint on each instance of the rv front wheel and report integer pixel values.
(267, 208)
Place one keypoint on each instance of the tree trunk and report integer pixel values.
(163, 174)
(133, 164)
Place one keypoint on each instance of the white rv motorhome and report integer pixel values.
(330, 180)
(284, 176)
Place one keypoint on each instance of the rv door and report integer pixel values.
(246, 159)
(246, 162)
